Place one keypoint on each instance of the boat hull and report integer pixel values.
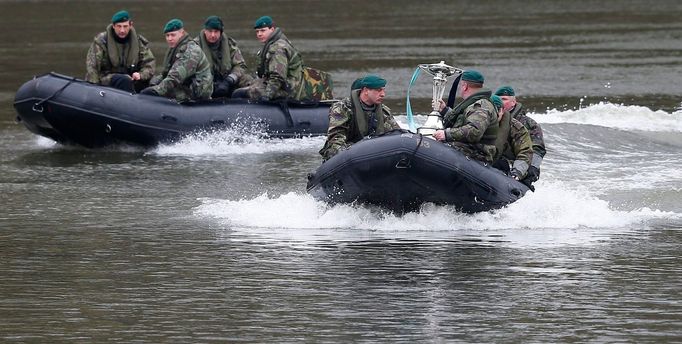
(72, 111)
(401, 171)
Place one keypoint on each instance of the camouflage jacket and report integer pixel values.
(536, 136)
(349, 123)
(519, 148)
(107, 57)
(472, 127)
(186, 73)
(280, 68)
(225, 59)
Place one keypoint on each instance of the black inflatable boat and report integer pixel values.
(400, 171)
(72, 111)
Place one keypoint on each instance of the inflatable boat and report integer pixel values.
(72, 111)
(400, 171)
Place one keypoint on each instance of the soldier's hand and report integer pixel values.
(439, 135)
(136, 76)
(515, 174)
(533, 174)
(231, 79)
(439, 104)
(221, 88)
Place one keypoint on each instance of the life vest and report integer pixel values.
(362, 125)
(221, 63)
(502, 139)
(123, 57)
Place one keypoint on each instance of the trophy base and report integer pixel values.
(433, 123)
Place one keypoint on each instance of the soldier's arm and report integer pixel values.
(537, 139)
(339, 125)
(276, 73)
(521, 146)
(183, 68)
(477, 122)
(239, 68)
(93, 64)
(147, 62)
(536, 135)
(389, 120)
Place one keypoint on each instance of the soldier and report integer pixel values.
(471, 127)
(227, 64)
(186, 70)
(513, 143)
(362, 114)
(120, 57)
(280, 66)
(518, 112)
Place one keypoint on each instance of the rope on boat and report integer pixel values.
(40, 103)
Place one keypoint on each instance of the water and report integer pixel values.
(213, 239)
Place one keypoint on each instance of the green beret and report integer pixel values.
(264, 21)
(473, 76)
(120, 16)
(214, 23)
(505, 91)
(356, 84)
(173, 25)
(497, 101)
(372, 81)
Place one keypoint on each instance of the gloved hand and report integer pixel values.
(533, 174)
(150, 91)
(231, 79)
(515, 174)
(221, 89)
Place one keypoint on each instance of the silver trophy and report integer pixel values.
(440, 72)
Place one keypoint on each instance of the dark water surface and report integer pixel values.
(214, 240)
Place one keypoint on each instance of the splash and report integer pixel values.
(235, 141)
(624, 117)
(553, 206)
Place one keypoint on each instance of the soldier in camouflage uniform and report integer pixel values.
(227, 63)
(120, 57)
(518, 112)
(471, 127)
(186, 70)
(513, 143)
(360, 115)
(280, 66)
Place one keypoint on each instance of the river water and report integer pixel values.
(213, 239)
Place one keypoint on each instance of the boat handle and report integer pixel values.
(37, 107)
(168, 118)
(101, 93)
(404, 162)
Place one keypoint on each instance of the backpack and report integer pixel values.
(316, 85)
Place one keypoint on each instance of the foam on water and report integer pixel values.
(625, 117)
(44, 142)
(235, 142)
(553, 206)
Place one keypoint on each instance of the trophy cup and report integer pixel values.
(440, 72)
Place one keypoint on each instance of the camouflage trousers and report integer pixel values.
(478, 151)
(257, 90)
